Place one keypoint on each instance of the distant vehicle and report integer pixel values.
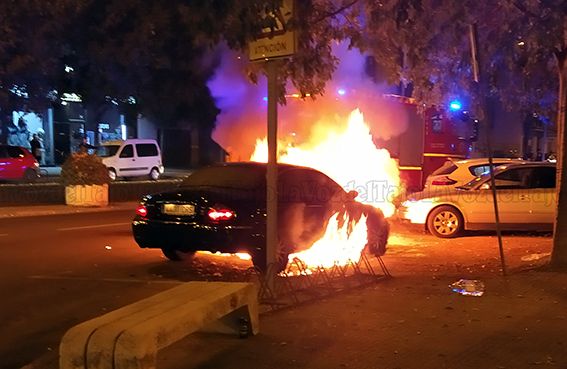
(223, 208)
(17, 163)
(526, 201)
(454, 173)
(132, 158)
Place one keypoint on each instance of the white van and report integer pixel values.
(131, 158)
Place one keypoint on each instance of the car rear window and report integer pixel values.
(479, 170)
(145, 150)
(237, 177)
(447, 168)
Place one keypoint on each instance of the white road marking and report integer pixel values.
(121, 280)
(93, 226)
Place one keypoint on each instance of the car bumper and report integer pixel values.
(412, 214)
(196, 237)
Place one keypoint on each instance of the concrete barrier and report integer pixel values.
(54, 193)
(130, 337)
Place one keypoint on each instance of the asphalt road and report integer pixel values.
(58, 271)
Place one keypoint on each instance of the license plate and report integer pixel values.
(178, 209)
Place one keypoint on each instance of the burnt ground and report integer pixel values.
(413, 320)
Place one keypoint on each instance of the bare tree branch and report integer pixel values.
(336, 11)
(523, 9)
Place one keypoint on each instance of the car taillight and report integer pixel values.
(141, 210)
(444, 181)
(220, 214)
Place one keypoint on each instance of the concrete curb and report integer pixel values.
(46, 210)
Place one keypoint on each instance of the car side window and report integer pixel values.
(478, 170)
(516, 178)
(145, 150)
(127, 152)
(3, 152)
(15, 152)
(303, 185)
(543, 177)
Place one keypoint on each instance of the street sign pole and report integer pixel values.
(272, 172)
(277, 40)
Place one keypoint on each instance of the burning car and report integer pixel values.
(222, 208)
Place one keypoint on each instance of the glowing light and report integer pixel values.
(341, 91)
(265, 98)
(455, 105)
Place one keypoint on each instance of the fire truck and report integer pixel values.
(432, 137)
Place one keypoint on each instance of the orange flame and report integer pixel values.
(349, 156)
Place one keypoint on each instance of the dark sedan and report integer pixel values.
(223, 208)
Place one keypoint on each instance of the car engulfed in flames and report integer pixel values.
(334, 194)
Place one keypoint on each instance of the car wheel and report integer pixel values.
(445, 222)
(112, 174)
(30, 175)
(177, 255)
(154, 174)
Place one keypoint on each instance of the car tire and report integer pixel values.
(112, 174)
(177, 255)
(154, 174)
(30, 175)
(445, 222)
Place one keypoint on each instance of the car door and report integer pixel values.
(305, 204)
(127, 165)
(542, 194)
(147, 154)
(6, 164)
(514, 205)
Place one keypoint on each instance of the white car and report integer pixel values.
(526, 201)
(132, 158)
(454, 173)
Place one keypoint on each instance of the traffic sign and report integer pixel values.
(276, 39)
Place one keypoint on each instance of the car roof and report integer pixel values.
(485, 160)
(524, 163)
(255, 164)
(129, 140)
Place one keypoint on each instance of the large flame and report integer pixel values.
(349, 156)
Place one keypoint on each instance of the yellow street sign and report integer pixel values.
(275, 40)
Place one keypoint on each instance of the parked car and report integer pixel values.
(454, 173)
(132, 158)
(223, 208)
(17, 163)
(525, 194)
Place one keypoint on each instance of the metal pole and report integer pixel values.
(272, 173)
(488, 126)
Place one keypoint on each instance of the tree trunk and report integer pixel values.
(559, 253)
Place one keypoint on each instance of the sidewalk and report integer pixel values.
(44, 210)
